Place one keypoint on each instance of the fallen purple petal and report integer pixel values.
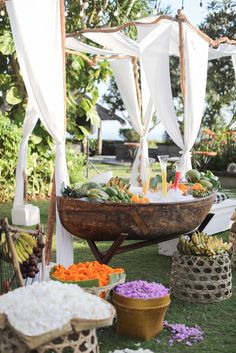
(182, 333)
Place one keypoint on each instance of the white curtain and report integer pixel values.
(36, 30)
(124, 75)
(28, 126)
(155, 56)
(196, 62)
(76, 45)
(155, 59)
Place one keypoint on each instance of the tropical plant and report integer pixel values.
(82, 93)
(223, 142)
(221, 89)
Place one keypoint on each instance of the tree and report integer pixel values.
(82, 77)
(221, 89)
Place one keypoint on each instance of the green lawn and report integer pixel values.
(217, 320)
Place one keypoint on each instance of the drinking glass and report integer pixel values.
(146, 182)
(163, 162)
(178, 165)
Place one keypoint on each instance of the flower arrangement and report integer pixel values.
(140, 308)
(100, 274)
(142, 290)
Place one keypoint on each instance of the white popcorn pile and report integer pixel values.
(127, 350)
(47, 306)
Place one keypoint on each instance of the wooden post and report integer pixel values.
(50, 223)
(99, 143)
(15, 263)
(136, 77)
(52, 207)
(181, 18)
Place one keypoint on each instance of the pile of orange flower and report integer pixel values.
(85, 271)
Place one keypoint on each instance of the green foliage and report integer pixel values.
(129, 135)
(223, 142)
(10, 136)
(221, 89)
(40, 163)
(76, 166)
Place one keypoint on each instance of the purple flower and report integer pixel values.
(185, 334)
(142, 290)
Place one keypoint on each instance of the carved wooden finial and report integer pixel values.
(2, 4)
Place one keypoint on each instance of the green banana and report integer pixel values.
(19, 256)
(28, 248)
(29, 239)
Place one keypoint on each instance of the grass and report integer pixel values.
(217, 320)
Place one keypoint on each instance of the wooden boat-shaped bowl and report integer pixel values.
(106, 221)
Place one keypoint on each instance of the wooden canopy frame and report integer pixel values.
(180, 18)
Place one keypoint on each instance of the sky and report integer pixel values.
(110, 129)
(191, 8)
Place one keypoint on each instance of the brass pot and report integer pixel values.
(140, 318)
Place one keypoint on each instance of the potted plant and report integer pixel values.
(201, 269)
(140, 307)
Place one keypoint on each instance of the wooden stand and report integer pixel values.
(116, 248)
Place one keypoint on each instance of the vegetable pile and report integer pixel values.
(48, 306)
(116, 190)
(202, 244)
(102, 274)
(142, 290)
(202, 184)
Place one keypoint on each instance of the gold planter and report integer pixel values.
(140, 318)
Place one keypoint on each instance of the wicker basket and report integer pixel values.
(103, 292)
(140, 318)
(201, 279)
(232, 239)
(82, 342)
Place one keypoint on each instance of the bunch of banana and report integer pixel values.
(24, 244)
(118, 183)
(202, 244)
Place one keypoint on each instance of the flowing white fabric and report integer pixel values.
(76, 45)
(222, 51)
(196, 63)
(124, 75)
(155, 60)
(28, 126)
(116, 41)
(36, 30)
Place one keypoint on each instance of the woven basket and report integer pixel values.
(103, 292)
(140, 318)
(201, 279)
(232, 239)
(82, 342)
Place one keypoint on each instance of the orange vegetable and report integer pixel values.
(198, 186)
(85, 271)
(139, 199)
(183, 188)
